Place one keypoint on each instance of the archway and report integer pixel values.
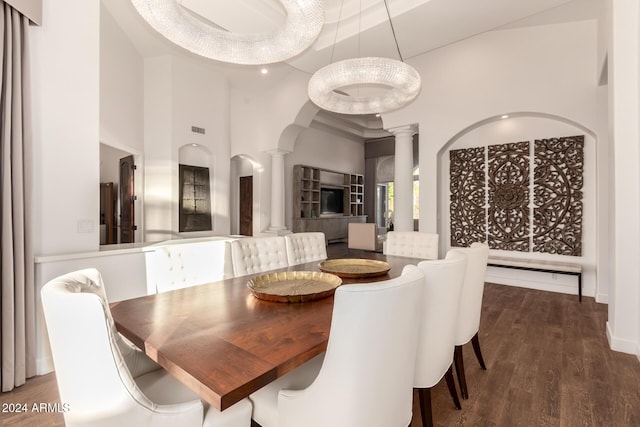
(529, 126)
(244, 167)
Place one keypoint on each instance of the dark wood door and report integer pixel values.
(108, 213)
(246, 205)
(127, 197)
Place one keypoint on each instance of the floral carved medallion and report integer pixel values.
(558, 180)
(553, 224)
(508, 187)
(467, 207)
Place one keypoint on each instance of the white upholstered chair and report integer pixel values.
(305, 247)
(363, 235)
(180, 265)
(413, 244)
(436, 343)
(104, 380)
(257, 254)
(366, 376)
(470, 307)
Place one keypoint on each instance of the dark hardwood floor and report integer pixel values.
(548, 364)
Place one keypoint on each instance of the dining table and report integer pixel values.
(223, 342)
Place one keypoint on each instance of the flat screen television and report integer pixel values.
(331, 200)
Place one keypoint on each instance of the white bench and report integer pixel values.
(542, 266)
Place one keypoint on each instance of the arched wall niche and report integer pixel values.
(200, 156)
(529, 126)
(195, 155)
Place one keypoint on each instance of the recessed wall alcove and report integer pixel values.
(198, 157)
(519, 127)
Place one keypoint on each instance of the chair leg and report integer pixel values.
(451, 384)
(425, 407)
(476, 349)
(460, 371)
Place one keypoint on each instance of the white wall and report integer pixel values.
(121, 88)
(122, 106)
(179, 94)
(200, 98)
(65, 100)
(545, 69)
(623, 326)
(160, 160)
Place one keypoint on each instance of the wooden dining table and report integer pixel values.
(223, 342)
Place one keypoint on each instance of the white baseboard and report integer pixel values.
(622, 345)
(602, 298)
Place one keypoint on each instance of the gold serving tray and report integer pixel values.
(294, 286)
(355, 268)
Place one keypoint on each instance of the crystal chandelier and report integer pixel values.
(401, 81)
(304, 21)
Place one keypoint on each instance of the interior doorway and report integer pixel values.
(120, 203)
(127, 199)
(246, 205)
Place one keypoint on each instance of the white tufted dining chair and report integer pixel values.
(251, 255)
(104, 380)
(470, 307)
(413, 244)
(436, 342)
(180, 265)
(366, 376)
(257, 254)
(305, 247)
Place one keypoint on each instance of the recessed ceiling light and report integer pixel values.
(264, 71)
(194, 145)
(377, 114)
(506, 116)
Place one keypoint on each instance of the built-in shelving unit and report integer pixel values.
(310, 213)
(307, 200)
(356, 194)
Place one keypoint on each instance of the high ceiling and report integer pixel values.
(353, 28)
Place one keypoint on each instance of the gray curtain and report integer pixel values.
(17, 299)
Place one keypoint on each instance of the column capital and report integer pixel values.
(403, 130)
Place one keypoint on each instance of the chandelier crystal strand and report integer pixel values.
(304, 21)
(403, 81)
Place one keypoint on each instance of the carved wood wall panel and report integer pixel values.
(508, 187)
(558, 180)
(467, 202)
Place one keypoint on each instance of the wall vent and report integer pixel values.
(197, 129)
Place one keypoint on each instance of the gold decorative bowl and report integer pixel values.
(355, 268)
(294, 286)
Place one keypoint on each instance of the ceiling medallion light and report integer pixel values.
(401, 81)
(304, 21)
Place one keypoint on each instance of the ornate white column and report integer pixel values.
(403, 178)
(277, 192)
